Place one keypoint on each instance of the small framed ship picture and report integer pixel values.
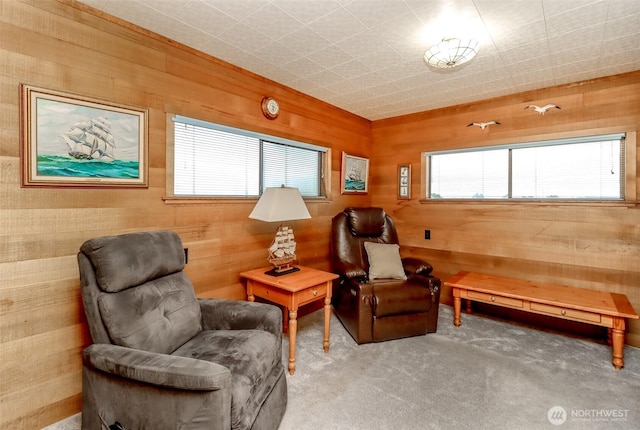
(74, 141)
(355, 174)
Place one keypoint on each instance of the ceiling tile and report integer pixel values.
(306, 11)
(350, 69)
(337, 25)
(330, 56)
(272, 22)
(323, 78)
(554, 8)
(303, 67)
(197, 15)
(381, 58)
(621, 27)
(236, 9)
(304, 41)
(244, 37)
(275, 54)
(225, 51)
(581, 16)
(502, 16)
(534, 49)
(361, 43)
(366, 56)
(375, 16)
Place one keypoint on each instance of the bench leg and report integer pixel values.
(617, 343)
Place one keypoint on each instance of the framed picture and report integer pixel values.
(355, 174)
(404, 181)
(74, 141)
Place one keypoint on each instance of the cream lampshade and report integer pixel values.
(279, 204)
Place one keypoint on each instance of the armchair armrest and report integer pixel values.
(361, 289)
(158, 369)
(351, 271)
(416, 266)
(221, 314)
(420, 270)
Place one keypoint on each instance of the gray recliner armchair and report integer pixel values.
(163, 359)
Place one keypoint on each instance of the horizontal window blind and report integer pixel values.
(586, 168)
(291, 166)
(478, 174)
(214, 163)
(577, 171)
(214, 160)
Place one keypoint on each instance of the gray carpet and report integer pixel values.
(487, 374)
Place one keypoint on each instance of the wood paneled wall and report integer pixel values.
(66, 47)
(594, 246)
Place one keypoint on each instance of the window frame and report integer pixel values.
(629, 181)
(170, 197)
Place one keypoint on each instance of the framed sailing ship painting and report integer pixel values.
(355, 174)
(74, 141)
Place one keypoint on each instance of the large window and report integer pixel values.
(211, 160)
(589, 168)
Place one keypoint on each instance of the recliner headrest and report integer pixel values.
(366, 221)
(132, 259)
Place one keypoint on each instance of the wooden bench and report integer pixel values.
(576, 304)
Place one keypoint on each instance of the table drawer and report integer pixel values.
(494, 299)
(311, 294)
(270, 293)
(572, 314)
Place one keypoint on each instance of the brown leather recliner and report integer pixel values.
(374, 310)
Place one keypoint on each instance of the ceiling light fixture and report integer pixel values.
(451, 52)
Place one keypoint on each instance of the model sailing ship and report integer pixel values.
(91, 140)
(282, 251)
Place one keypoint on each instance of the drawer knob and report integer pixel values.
(563, 312)
(493, 299)
(315, 293)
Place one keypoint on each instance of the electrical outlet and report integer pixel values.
(427, 234)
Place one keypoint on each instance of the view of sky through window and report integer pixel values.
(583, 171)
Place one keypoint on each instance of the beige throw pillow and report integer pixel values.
(384, 261)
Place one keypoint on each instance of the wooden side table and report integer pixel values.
(292, 291)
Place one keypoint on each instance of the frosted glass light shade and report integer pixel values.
(451, 53)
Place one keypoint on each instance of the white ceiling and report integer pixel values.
(366, 56)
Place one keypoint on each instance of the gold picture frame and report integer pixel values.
(73, 141)
(404, 181)
(355, 174)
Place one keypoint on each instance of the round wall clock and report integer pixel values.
(270, 107)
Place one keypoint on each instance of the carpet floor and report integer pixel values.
(487, 374)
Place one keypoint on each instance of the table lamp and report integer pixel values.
(279, 204)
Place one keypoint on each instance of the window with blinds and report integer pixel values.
(211, 160)
(587, 168)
